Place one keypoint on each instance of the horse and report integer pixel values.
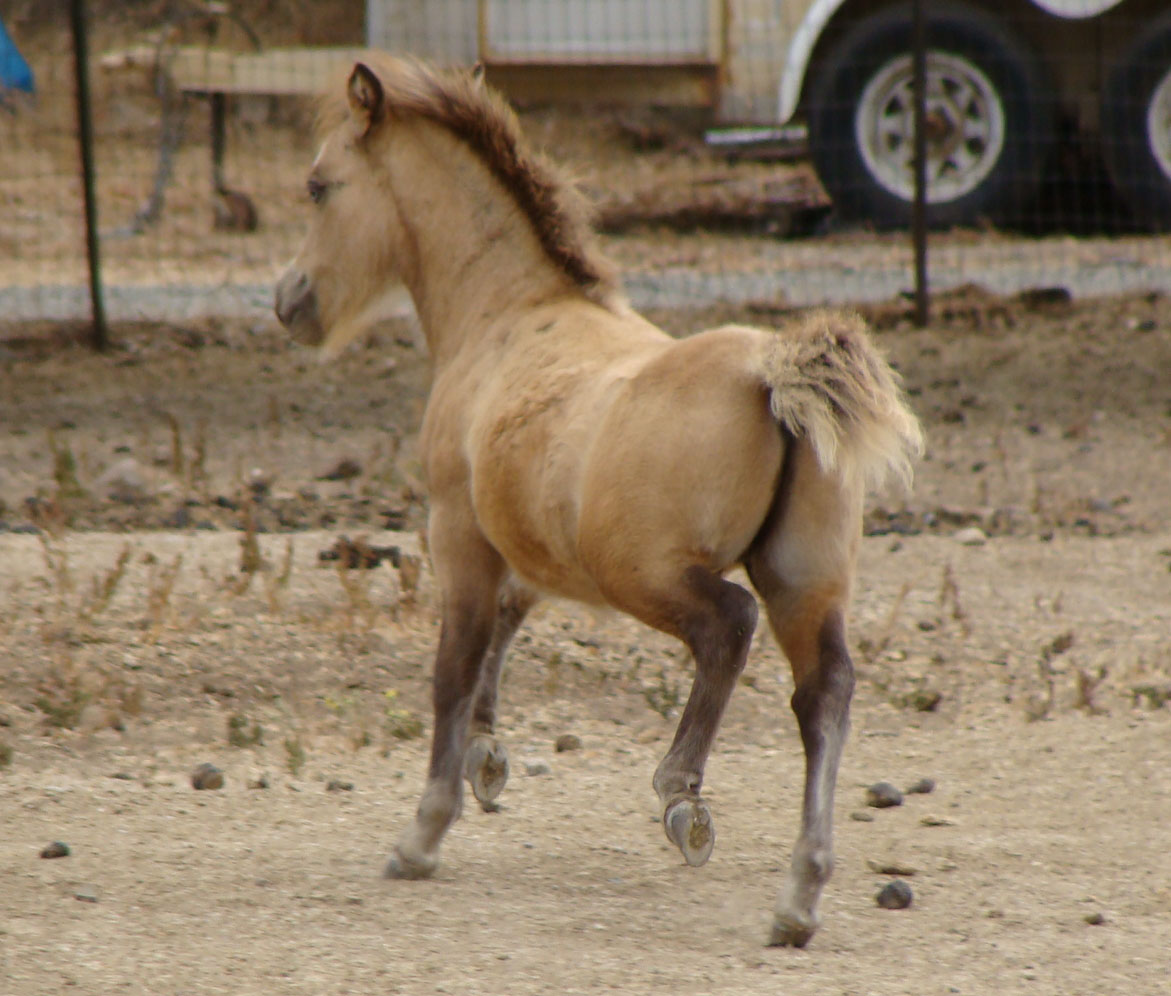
(571, 448)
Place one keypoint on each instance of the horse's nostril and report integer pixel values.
(292, 291)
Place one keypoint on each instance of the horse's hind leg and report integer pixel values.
(718, 629)
(486, 760)
(469, 572)
(715, 618)
(802, 565)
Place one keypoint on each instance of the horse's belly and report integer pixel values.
(546, 559)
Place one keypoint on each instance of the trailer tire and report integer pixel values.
(1136, 125)
(990, 120)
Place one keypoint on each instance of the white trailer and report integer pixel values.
(1001, 75)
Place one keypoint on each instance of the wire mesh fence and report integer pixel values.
(743, 151)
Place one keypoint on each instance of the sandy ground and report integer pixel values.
(1038, 861)
(1045, 824)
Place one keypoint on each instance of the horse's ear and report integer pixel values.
(478, 74)
(364, 90)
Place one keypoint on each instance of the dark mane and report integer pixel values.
(482, 118)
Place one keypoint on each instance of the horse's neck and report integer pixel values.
(476, 254)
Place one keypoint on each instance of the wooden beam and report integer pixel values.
(659, 86)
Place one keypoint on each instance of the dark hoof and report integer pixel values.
(400, 867)
(790, 931)
(486, 768)
(688, 823)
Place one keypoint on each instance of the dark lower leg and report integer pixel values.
(486, 760)
(514, 606)
(719, 633)
(463, 641)
(822, 706)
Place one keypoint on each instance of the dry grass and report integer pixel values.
(1040, 705)
(160, 587)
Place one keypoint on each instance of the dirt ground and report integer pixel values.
(1028, 675)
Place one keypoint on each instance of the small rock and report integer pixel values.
(345, 469)
(259, 783)
(124, 481)
(180, 518)
(924, 699)
(123, 776)
(359, 554)
(890, 867)
(861, 816)
(924, 786)
(259, 483)
(896, 895)
(1095, 919)
(971, 536)
(86, 894)
(937, 821)
(1040, 297)
(537, 768)
(567, 741)
(57, 849)
(339, 786)
(207, 776)
(394, 519)
(883, 795)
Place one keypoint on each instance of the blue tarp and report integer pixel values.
(14, 71)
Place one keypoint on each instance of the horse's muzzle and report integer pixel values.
(296, 307)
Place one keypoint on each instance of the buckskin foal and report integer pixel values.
(572, 448)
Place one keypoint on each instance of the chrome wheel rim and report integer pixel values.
(1159, 124)
(965, 127)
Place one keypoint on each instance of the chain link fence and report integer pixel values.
(750, 151)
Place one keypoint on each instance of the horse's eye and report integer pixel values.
(317, 190)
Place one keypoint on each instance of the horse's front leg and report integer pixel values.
(470, 573)
(486, 760)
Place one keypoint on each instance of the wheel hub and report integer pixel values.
(965, 127)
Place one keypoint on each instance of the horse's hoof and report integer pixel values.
(399, 866)
(485, 768)
(790, 931)
(688, 823)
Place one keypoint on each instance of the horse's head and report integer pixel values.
(415, 165)
(350, 266)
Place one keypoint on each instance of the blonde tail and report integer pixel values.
(829, 385)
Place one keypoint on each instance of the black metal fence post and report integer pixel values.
(919, 208)
(100, 335)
